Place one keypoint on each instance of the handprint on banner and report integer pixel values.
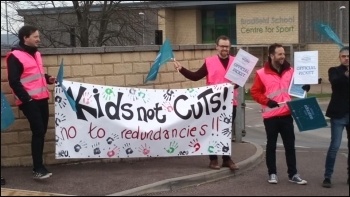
(58, 141)
(225, 119)
(59, 118)
(192, 92)
(132, 94)
(213, 145)
(96, 148)
(217, 87)
(227, 132)
(224, 148)
(173, 146)
(79, 146)
(87, 98)
(114, 151)
(144, 97)
(169, 93)
(128, 149)
(108, 94)
(144, 149)
(185, 152)
(168, 106)
(195, 144)
(60, 101)
(114, 136)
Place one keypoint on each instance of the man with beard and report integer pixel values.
(270, 89)
(214, 69)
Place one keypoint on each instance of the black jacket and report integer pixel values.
(339, 103)
(15, 70)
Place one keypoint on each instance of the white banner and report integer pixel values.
(124, 122)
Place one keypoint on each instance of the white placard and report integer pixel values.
(306, 67)
(241, 67)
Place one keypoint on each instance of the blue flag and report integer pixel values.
(60, 80)
(165, 54)
(7, 117)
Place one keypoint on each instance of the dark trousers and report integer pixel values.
(225, 157)
(37, 113)
(284, 126)
(348, 132)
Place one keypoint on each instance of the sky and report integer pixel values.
(10, 11)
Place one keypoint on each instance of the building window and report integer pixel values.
(219, 21)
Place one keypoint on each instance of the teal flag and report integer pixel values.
(60, 82)
(7, 117)
(165, 54)
(327, 31)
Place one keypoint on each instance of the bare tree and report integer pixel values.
(91, 23)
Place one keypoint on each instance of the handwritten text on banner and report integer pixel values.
(123, 122)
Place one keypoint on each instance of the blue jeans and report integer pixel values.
(337, 127)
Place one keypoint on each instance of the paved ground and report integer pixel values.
(126, 178)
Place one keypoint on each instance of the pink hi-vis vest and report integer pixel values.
(216, 73)
(276, 89)
(33, 76)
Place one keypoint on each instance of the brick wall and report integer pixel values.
(181, 26)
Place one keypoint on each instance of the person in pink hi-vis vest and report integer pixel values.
(28, 82)
(214, 69)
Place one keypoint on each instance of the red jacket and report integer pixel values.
(260, 93)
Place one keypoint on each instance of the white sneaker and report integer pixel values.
(296, 179)
(273, 179)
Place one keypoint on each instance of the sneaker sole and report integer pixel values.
(272, 182)
(299, 183)
(50, 173)
(42, 177)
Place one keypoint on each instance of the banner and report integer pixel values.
(124, 122)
